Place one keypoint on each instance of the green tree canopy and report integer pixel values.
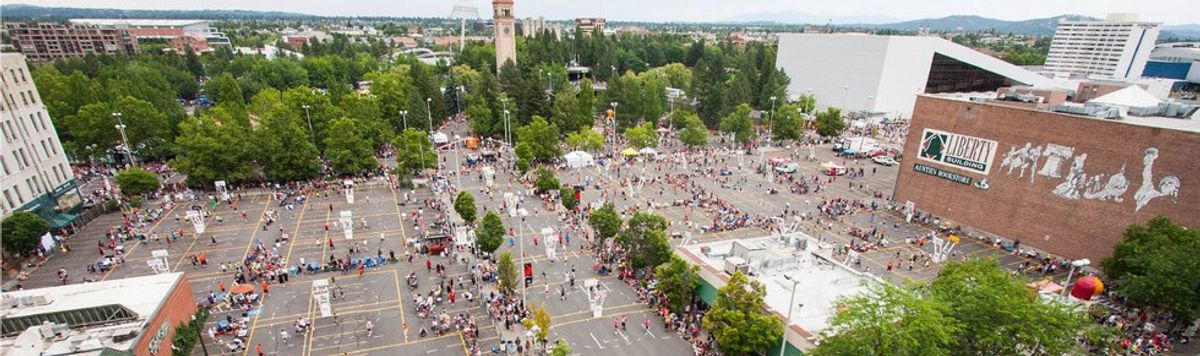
(738, 123)
(738, 318)
(645, 238)
(286, 146)
(830, 122)
(135, 181)
(349, 149)
(507, 271)
(678, 279)
(605, 222)
(541, 138)
(1157, 265)
(464, 205)
(807, 103)
(891, 320)
(149, 131)
(567, 193)
(490, 233)
(693, 133)
(585, 139)
(546, 181)
(215, 147)
(413, 151)
(786, 123)
(23, 231)
(642, 136)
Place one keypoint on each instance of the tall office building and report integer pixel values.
(1116, 47)
(36, 176)
(506, 46)
(50, 41)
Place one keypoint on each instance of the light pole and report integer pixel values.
(309, 118)
(1080, 263)
(429, 115)
(458, 98)
(791, 304)
(507, 137)
(613, 121)
(124, 139)
(771, 120)
(404, 114)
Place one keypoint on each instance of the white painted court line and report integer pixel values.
(596, 340)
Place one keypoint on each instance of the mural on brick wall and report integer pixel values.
(1078, 184)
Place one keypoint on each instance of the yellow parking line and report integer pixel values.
(139, 243)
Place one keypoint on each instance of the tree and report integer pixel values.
(23, 231)
(349, 149)
(642, 136)
(708, 86)
(693, 133)
(490, 233)
(585, 104)
(464, 205)
(561, 348)
(539, 318)
(541, 138)
(546, 181)
(413, 151)
(565, 111)
(605, 222)
(148, 129)
(585, 139)
(891, 320)
(135, 181)
(830, 123)
(678, 279)
(287, 148)
(645, 238)
(507, 271)
(481, 119)
(738, 123)
(567, 193)
(807, 103)
(786, 123)
(215, 147)
(1156, 265)
(738, 319)
(999, 317)
(224, 90)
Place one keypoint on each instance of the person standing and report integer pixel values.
(370, 328)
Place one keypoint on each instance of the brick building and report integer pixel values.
(50, 41)
(1066, 184)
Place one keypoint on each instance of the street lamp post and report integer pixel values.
(199, 333)
(124, 139)
(429, 114)
(791, 304)
(771, 120)
(845, 95)
(309, 118)
(404, 114)
(1080, 263)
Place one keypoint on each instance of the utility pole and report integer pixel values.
(429, 115)
(771, 120)
(124, 139)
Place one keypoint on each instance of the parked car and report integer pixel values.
(884, 160)
(787, 168)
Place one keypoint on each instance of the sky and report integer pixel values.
(1170, 12)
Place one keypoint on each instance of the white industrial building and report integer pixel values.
(882, 75)
(32, 160)
(1116, 47)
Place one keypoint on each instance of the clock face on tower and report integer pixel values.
(507, 30)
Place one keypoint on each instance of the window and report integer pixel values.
(8, 197)
(20, 198)
(32, 191)
(4, 162)
(32, 97)
(53, 145)
(22, 71)
(45, 149)
(24, 101)
(24, 158)
(42, 120)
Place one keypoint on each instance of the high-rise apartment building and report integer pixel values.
(587, 25)
(34, 173)
(531, 27)
(506, 46)
(1116, 47)
(50, 41)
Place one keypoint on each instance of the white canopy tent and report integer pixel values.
(577, 159)
(440, 138)
(648, 151)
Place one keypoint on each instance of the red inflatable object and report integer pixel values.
(1087, 287)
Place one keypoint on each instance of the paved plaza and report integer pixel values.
(381, 297)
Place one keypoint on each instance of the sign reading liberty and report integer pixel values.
(958, 151)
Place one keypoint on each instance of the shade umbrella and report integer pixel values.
(241, 289)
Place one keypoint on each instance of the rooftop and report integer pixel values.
(822, 280)
(1189, 124)
(139, 22)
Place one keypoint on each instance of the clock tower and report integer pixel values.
(506, 49)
